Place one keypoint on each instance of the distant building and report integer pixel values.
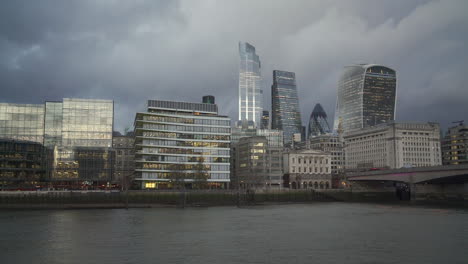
(182, 144)
(250, 85)
(258, 165)
(332, 144)
(274, 144)
(208, 99)
(455, 145)
(124, 148)
(307, 169)
(366, 97)
(393, 145)
(22, 164)
(318, 123)
(265, 120)
(285, 112)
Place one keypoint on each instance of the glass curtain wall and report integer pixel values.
(250, 85)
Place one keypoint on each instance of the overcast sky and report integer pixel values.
(132, 51)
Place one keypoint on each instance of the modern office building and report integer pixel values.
(393, 145)
(265, 120)
(257, 164)
(124, 148)
(22, 164)
(250, 85)
(181, 144)
(23, 122)
(78, 133)
(366, 97)
(307, 169)
(318, 123)
(332, 144)
(455, 145)
(285, 113)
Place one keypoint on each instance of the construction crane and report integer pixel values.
(460, 122)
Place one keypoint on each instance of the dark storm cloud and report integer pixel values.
(131, 51)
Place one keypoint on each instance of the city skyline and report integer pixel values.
(55, 55)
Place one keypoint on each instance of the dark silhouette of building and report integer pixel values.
(318, 123)
(285, 113)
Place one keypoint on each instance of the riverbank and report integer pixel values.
(156, 199)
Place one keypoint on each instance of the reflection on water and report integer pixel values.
(307, 233)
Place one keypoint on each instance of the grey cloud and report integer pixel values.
(131, 51)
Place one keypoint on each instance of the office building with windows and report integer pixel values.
(393, 145)
(366, 97)
(24, 122)
(285, 113)
(250, 85)
(77, 132)
(455, 145)
(124, 148)
(180, 144)
(318, 123)
(307, 169)
(332, 144)
(257, 164)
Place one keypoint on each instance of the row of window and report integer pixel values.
(203, 152)
(167, 175)
(175, 143)
(183, 167)
(187, 128)
(196, 121)
(185, 159)
(309, 170)
(184, 136)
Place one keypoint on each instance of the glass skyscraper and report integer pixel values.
(318, 123)
(285, 113)
(250, 85)
(366, 97)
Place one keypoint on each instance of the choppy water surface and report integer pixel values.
(312, 233)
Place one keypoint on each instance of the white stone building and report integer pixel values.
(308, 168)
(393, 145)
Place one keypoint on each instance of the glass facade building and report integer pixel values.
(285, 113)
(182, 143)
(250, 85)
(366, 97)
(77, 133)
(318, 123)
(22, 122)
(21, 164)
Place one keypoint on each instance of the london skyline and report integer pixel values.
(132, 52)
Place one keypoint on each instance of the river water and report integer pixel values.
(300, 233)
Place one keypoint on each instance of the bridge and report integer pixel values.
(450, 174)
(442, 183)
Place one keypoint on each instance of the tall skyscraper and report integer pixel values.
(366, 97)
(285, 114)
(318, 123)
(250, 85)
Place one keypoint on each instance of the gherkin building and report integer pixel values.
(318, 124)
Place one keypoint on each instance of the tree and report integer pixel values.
(200, 176)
